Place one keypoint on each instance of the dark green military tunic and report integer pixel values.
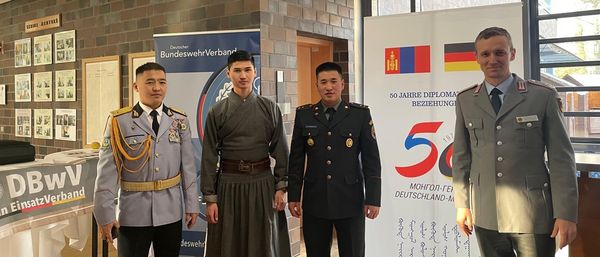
(248, 129)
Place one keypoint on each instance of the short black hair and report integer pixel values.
(239, 56)
(149, 66)
(329, 66)
(492, 32)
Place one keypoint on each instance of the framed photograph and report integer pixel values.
(65, 124)
(64, 85)
(42, 50)
(42, 120)
(2, 94)
(101, 94)
(42, 87)
(23, 122)
(23, 52)
(23, 87)
(64, 46)
(136, 60)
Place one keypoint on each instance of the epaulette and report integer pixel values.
(540, 84)
(303, 107)
(467, 89)
(121, 111)
(357, 105)
(178, 111)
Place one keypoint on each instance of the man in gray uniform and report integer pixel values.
(244, 198)
(147, 153)
(502, 185)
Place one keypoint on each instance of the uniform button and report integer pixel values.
(349, 134)
(500, 174)
(498, 127)
(545, 184)
(529, 124)
(329, 133)
(329, 148)
(135, 141)
(499, 143)
(470, 124)
(157, 169)
(157, 155)
(328, 177)
(500, 159)
(328, 162)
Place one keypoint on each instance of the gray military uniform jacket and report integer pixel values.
(498, 164)
(171, 153)
(248, 129)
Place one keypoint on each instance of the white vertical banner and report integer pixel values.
(415, 64)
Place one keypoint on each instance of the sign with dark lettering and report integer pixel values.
(44, 23)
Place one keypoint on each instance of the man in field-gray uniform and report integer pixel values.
(147, 153)
(502, 185)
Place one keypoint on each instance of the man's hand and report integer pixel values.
(279, 203)
(190, 219)
(107, 231)
(464, 220)
(295, 209)
(212, 213)
(566, 232)
(371, 211)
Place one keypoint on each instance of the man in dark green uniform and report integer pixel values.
(245, 199)
(337, 142)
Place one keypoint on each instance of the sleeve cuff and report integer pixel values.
(281, 185)
(210, 198)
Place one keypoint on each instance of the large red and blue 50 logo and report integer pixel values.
(413, 139)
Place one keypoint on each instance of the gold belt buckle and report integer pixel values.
(158, 184)
(244, 166)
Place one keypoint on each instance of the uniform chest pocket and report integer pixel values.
(350, 138)
(475, 127)
(310, 134)
(530, 134)
(134, 144)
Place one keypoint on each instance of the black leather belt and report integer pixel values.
(241, 166)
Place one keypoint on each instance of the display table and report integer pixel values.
(44, 201)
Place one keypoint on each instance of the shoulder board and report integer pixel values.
(121, 111)
(357, 105)
(467, 89)
(540, 84)
(178, 111)
(304, 107)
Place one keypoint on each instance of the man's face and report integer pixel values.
(152, 87)
(241, 74)
(330, 86)
(494, 56)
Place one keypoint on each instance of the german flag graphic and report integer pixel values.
(413, 59)
(460, 57)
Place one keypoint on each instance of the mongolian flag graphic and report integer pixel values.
(414, 59)
(460, 57)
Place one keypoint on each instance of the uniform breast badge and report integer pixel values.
(174, 136)
(310, 141)
(349, 142)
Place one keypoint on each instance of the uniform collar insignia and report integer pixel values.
(137, 110)
(167, 110)
(522, 86)
(477, 89)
